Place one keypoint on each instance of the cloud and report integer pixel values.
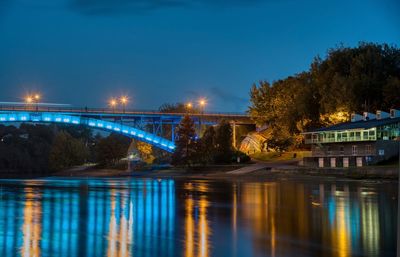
(229, 98)
(113, 7)
(218, 95)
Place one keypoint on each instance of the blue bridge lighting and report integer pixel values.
(111, 126)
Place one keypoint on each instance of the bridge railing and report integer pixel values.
(86, 110)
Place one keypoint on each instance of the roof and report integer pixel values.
(359, 124)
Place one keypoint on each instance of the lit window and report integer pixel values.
(354, 150)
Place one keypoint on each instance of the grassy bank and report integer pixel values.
(284, 156)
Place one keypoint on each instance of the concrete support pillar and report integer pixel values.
(234, 134)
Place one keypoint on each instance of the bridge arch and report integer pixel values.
(109, 126)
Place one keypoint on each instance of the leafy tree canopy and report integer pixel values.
(364, 78)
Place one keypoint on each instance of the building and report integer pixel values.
(366, 139)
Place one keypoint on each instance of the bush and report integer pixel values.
(244, 158)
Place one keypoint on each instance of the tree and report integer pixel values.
(279, 141)
(206, 147)
(110, 150)
(173, 108)
(223, 142)
(185, 142)
(364, 78)
(66, 151)
(145, 151)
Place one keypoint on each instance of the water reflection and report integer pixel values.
(196, 218)
(330, 220)
(31, 228)
(89, 218)
(197, 231)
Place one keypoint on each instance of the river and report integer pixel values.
(188, 217)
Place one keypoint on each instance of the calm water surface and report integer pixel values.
(147, 217)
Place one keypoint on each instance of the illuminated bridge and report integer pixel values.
(146, 126)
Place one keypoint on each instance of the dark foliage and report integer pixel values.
(365, 78)
(223, 141)
(67, 151)
(110, 150)
(185, 143)
(25, 150)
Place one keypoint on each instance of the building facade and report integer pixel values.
(367, 139)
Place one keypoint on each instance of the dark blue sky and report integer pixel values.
(83, 52)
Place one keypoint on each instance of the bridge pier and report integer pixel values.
(233, 124)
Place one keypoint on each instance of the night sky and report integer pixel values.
(82, 52)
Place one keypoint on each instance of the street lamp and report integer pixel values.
(28, 101)
(124, 100)
(113, 104)
(37, 98)
(202, 103)
(189, 106)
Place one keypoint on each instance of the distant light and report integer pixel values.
(124, 100)
(113, 102)
(28, 99)
(202, 102)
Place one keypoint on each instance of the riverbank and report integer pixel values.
(256, 171)
(251, 172)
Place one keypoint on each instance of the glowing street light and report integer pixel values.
(28, 100)
(202, 102)
(189, 106)
(124, 101)
(113, 103)
(37, 98)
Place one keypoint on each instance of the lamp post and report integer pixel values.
(189, 106)
(37, 98)
(202, 104)
(124, 101)
(113, 104)
(28, 101)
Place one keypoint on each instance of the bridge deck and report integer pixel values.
(101, 112)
